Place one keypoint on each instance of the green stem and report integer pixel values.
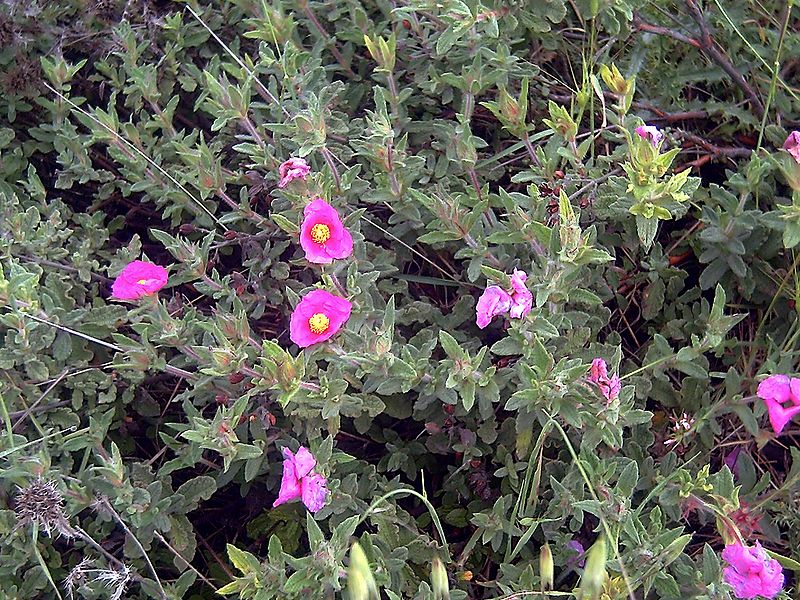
(775, 70)
(428, 505)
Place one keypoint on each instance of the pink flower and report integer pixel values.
(322, 234)
(775, 391)
(521, 297)
(497, 301)
(138, 279)
(494, 301)
(318, 317)
(650, 133)
(598, 375)
(792, 145)
(294, 168)
(300, 481)
(751, 572)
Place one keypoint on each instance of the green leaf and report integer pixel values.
(451, 347)
(243, 560)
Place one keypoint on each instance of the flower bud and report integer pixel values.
(594, 575)
(360, 582)
(439, 582)
(546, 571)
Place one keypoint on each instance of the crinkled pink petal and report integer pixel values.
(294, 168)
(613, 388)
(290, 484)
(598, 375)
(598, 370)
(139, 279)
(336, 308)
(650, 133)
(775, 387)
(304, 462)
(751, 572)
(792, 145)
(314, 491)
(494, 301)
(338, 245)
(780, 416)
(521, 297)
(794, 386)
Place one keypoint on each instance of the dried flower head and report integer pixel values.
(77, 576)
(115, 580)
(681, 427)
(41, 503)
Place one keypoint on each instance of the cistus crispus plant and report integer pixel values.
(481, 299)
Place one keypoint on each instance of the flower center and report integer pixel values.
(318, 322)
(144, 281)
(320, 233)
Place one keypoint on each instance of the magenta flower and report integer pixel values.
(775, 391)
(792, 145)
(322, 234)
(598, 375)
(138, 279)
(318, 317)
(494, 301)
(294, 168)
(521, 297)
(650, 133)
(497, 301)
(751, 572)
(300, 481)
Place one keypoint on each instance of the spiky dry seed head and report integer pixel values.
(77, 576)
(41, 503)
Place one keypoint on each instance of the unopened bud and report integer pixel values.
(594, 574)
(439, 582)
(546, 571)
(360, 582)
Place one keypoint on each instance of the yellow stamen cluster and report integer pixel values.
(319, 323)
(320, 233)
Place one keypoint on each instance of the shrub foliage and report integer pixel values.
(458, 140)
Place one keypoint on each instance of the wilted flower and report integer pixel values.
(300, 481)
(497, 301)
(294, 168)
(138, 279)
(792, 145)
(650, 133)
(41, 503)
(751, 572)
(598, 375)
(775, 391)
(322, 234)
(579, 550)
(318, 317)
(747, 520)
